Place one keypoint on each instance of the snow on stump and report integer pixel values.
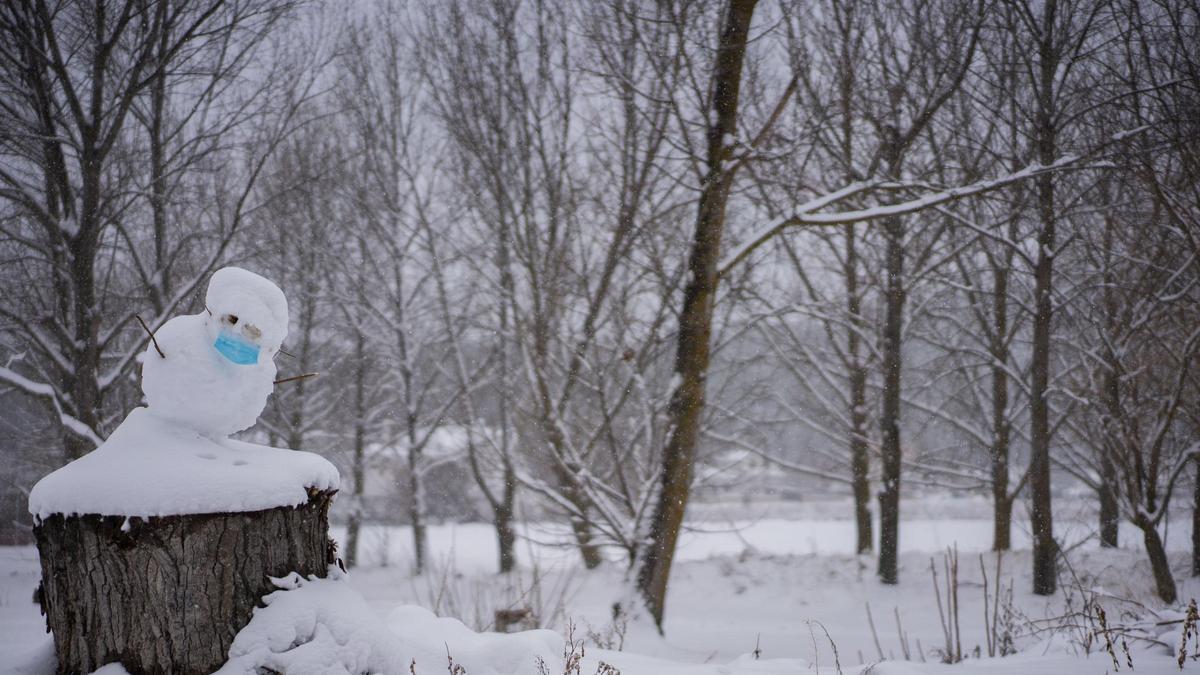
(157, 546)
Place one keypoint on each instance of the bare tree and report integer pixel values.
(74, 76)
(695, 318)
(1052, 39)
(1144, 372)
(1141, 304)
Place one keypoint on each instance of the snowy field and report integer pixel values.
(789, 587)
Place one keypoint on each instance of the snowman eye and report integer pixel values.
(232, 319)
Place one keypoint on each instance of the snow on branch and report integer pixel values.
(806, 214)
(49, 393)
(19, 381)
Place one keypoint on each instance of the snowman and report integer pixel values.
(213, 371)
(205, 376)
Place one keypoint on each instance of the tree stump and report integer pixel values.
(168, 594)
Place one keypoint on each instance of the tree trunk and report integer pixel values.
(889, 421)
(586, 542)
(159, 287)
(862, 499)
(1164, 582)
(168, 594)
(416, 510)
(1110, 516)
(1041, 518)
(352, 528)
(695, 317)
(581, 528)
(84, 385)
(1001, 500)
(1045, 551)
(1002, 521)
(298, 401)
(358, 466)
(506, 539)
(860, 460)
(1196, 522)
(1111, 395)
(503, 509)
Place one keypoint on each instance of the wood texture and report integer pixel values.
(168, 594)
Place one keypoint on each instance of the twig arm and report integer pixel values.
(151, 334)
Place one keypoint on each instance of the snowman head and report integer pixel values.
(248, 316)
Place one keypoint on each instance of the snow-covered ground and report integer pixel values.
(789, 587)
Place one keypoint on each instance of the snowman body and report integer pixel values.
(217, 367)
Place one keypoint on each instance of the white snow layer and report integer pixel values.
(150, 467)
(323, 626)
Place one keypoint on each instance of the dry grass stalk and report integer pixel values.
(452, 667)
(837, 662)
(874, 633)
(1189, 630)
(1108, 644)
(952, 652)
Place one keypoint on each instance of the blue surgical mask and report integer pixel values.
(236, 348)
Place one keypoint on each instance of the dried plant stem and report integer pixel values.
(952, 582)
(874, 634)
(949, 615)
(988, 627)
(837, 662)
(904, 648)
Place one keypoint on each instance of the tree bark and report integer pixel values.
(1109, 513)
(506, 539)
(860, 460)
(566, 477)
(416, 509)
(503, 509)
(1045, 551)
(695, 318)
(1110, 516)
(889, 418)
(168, 594)
(1001, 431)
(159, 286)
(353, 526)
(586, 541)
(1164, 582)
(889, 421)
(1196, 522)
(1002, 522)
(358, 466)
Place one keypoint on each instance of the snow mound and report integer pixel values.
(314, 625)
(151, 467)
(323, 626)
